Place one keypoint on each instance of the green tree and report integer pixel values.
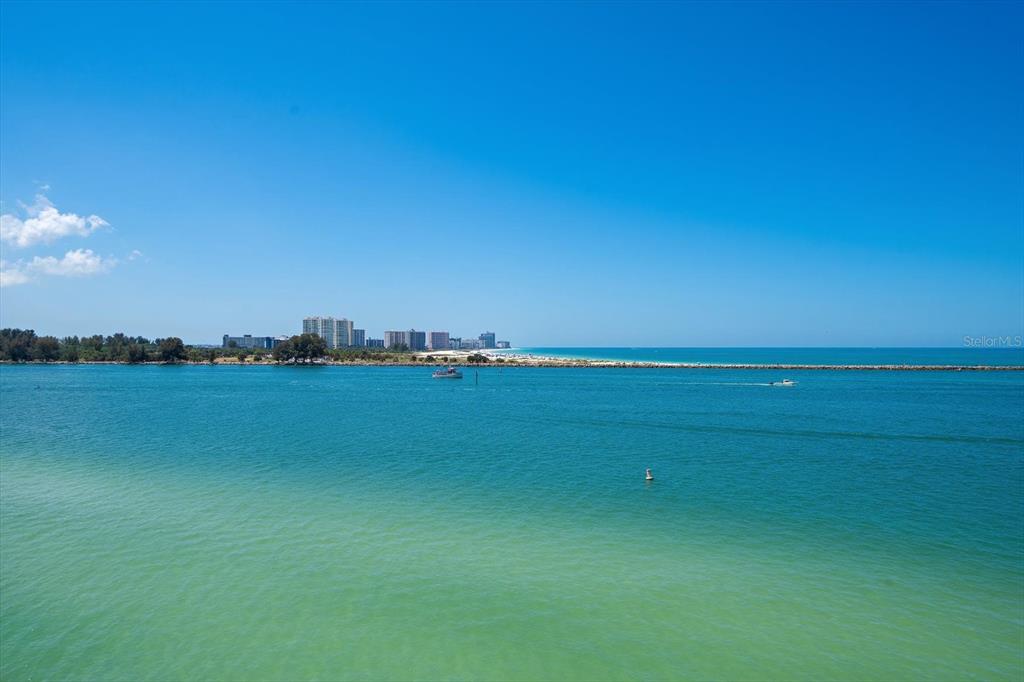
(302, 348)
(309, 347)
(70, 350)
(284, 351)
(171, 349)
(17, 344)
(46, 348)
(135, 353)
(92, 347)
(116, 347)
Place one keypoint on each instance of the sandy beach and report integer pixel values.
(516, 359)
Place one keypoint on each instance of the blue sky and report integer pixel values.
(564, 174)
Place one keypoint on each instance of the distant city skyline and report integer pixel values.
(340, 332)
(570, 174)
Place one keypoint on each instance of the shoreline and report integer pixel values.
(550, 362)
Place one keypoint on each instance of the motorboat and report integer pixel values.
(450, 373)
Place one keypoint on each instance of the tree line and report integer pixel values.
(24, 345)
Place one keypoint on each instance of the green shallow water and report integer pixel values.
(269, 523)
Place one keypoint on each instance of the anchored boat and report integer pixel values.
(450, 373)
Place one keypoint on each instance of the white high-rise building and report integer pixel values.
(396, 338)
(322, 327)
(335, 333)
(343, 333)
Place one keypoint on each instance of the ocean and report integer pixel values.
(1002, 356)
(370, 523)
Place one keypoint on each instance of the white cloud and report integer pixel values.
(134, 254)
(45, 224)
(76, 263)
(12, 275)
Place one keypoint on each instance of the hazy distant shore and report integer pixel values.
(21, 345)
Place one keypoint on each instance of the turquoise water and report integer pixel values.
(272, 523)
(1013, 355)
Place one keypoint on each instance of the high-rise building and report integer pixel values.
(336, 333)
(393, 339)
(438, 340)
(417, 340)
(375, 343)
(343, 333)
(470, 344)
(322, 327)
(454, 343)
(487, 340)
(359, 337)
(412, 339)
(504, 344)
